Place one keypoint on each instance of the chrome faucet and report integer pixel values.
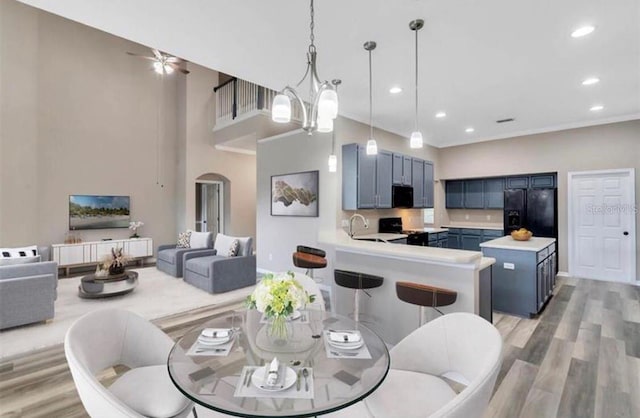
(354, 216)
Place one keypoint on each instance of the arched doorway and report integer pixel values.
(212, 202)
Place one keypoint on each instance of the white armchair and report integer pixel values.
(112, 337)
(460, 346)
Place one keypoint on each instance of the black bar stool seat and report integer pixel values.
(359, 282)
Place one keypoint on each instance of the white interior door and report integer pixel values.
(602, 243)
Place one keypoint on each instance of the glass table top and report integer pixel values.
(222, 381)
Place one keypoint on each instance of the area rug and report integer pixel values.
(157, 295)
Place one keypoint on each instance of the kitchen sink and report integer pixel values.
(369, 239)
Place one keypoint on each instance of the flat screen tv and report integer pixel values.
(98, 212)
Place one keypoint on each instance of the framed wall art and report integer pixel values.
(295, 194)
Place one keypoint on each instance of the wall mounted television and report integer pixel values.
(98, 212)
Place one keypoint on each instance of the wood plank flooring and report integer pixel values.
(579, 358)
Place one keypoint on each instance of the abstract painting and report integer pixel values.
(295, 194)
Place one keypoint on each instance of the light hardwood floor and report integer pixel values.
(579, 358)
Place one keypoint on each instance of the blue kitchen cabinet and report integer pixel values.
(453, 240)
(518, 182)
(494, 193)
(417, 177)
(470, 242)
(366, 179)
(402, 166)
(428, 184)
(542, 181)
(454, 194)
(474, 194)
(384, 164)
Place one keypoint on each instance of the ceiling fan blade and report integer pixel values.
(141, 56)
(177, 68)
(156, 53)
(175, 60)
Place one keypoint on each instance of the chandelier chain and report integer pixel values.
(312, 37)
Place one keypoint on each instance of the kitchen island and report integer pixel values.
(466, 272)
(524, 274)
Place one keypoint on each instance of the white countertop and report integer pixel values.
(430, 230)
(381, 235)
(508, 243)
(475, 226)
(342, 242)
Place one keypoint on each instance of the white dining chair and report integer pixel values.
(112, 337)
(460, 346)
(312, 288)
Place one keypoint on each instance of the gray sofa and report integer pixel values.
(27, 293)
(218, 273)
(170, 259)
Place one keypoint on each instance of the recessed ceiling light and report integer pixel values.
(469, 130)
(584, 30)
(596, 108)
(441, 115)
(395, 90)
(591, 80)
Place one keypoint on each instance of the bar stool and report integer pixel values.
(359, 282)
(425, 296)
(309, 258)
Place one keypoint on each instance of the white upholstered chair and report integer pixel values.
(113, 337)
(461, 346)
(312, 288)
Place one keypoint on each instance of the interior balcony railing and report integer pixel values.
(236, 98)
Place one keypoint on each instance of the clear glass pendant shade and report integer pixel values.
(328, 104)
(333, 163)
(416, 140)
(325, 125)
(157, 66)
(372, 147)
(281, 109)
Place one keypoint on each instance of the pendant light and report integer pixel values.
(333, 159)
(416, 136)
(372, 146)
(322, 109)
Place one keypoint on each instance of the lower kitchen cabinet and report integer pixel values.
(470, 239)
(523, 281)
(470, 242)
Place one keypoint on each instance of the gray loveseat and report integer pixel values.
(170, 259)
(215, 272)
(27, 293)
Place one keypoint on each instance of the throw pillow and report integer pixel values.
(184, 240)
(19, 260)
(223, 243)
(30, 251)
(233, 249)
(199, 239)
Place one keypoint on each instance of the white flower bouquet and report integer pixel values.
(134, 225)
(278, 296)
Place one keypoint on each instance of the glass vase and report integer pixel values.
(278, 330)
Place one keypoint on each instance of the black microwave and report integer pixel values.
(402, 196)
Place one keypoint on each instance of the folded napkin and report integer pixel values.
(272, 376)
(344, 336)
(216, 332)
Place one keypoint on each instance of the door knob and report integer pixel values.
(625, 233)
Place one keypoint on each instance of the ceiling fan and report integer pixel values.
(163, 63)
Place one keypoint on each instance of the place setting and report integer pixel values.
(213, 342)
(345, 344)
(275, 380)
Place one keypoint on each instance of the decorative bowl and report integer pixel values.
(521, 235)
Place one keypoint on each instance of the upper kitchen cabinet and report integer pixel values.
(542, 181)
(494, 193)
(417, 177)
(428, 184)
(521, 182)
(366, 179)
(474, 194)
(402, 170)
(454, 190)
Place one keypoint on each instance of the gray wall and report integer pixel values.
(593, 148)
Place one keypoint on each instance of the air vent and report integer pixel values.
(505, 120)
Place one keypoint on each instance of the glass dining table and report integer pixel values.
(318, 375)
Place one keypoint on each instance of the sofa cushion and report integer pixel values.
(169, 255)
(19, 260)
(184, 240)
(149, 391)
(409, 394)
(201, 265)
(199, 239)
(223, 243)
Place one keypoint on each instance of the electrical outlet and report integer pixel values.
(509, 266)
(345, 223)
(466, 217)
(488, 217)
(270, 257)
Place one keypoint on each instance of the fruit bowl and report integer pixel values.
(521, 235)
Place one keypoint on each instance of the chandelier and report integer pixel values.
(322, 109)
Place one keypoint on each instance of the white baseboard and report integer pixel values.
(563, 274)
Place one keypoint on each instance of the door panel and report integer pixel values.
(366, 180)
(384, 168)
(417, 166)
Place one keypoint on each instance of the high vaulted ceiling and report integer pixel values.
(480, 60)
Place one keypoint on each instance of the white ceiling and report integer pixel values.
(480, 60)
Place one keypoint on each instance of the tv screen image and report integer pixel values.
(98, 212)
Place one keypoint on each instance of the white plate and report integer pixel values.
(346, 346)
(257, 378)
(213, 341)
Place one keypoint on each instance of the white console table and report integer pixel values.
(93, 252)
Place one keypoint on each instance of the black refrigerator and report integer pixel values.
(534, 209)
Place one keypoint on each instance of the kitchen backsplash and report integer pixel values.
(411, 219)
(487, 217)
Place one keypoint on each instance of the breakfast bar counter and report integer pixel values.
(466, 272)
